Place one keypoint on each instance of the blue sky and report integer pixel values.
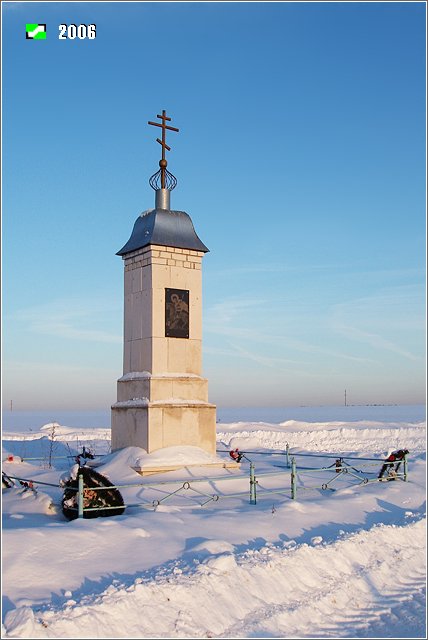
(301, 160)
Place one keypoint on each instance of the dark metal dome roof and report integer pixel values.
(163, 227)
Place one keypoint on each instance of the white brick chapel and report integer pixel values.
(162, 398)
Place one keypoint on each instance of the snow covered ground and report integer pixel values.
(329, 564)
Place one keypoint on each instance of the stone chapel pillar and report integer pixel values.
(162, 398)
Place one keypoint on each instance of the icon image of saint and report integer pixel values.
(176, 313)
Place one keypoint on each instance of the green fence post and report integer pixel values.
(253, 481)
(80, 496)
(293, 478)
(405, 467)
(287, 447)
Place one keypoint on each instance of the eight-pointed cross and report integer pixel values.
(163, 163)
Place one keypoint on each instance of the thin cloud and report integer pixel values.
(42, 368)
(221, 313)
(376, 341)
(225, 319)
(274, 268)
(343, 270)
(70, 319)
(369, 319)
(272, 362)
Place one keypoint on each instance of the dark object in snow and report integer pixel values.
(109, 497)
(28, 486)
(6, 482)
(395, 456)
(86, 455)
(236, 455)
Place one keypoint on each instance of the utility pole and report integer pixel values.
(11, 405)
(345, 398)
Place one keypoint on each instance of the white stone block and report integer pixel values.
(137, 280)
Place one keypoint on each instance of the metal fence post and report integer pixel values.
(287, 447)
(405, 467)
(253, 481)
(80, 496)
(293, 478)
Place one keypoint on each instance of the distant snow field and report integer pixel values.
(191, 557)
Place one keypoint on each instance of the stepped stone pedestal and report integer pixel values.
(162, 398)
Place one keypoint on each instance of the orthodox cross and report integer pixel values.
(163, 163)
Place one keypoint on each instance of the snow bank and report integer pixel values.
(50, 426)
(183, 455)
(329, 564)
(118, 466)
(331, 437)
(289, 591)
(59, 432)
(17, 502)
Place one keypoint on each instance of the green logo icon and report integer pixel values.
(35, 31)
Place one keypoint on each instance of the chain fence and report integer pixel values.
(293, 479)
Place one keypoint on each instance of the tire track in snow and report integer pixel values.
(346, 588)
(358, 603)
(397, 614)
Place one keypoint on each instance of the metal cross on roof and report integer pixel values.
(163, 163)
